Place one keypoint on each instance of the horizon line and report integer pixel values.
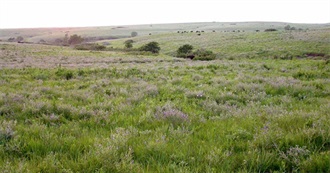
(170, 23)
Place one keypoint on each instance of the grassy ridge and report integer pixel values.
(243, 45)
(157, 114)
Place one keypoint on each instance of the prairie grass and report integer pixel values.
(63, 110)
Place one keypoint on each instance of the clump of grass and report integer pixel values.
(7, 131)
(170, 114)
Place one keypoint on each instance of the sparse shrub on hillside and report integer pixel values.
(204, 55)
(75, 39)
(19, 39)
(58, 41)
(151, 47)
(287, 27)
(134, 34)
(90, 46)
(128, 44)
(185, 50)
(11, 39)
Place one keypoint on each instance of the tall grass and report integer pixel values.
(160, 114)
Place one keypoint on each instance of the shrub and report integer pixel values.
(204, 55)
(185, 50)
(287, 27)
(19, 38)
(75, 39)
(11, 39)
(134, 34)
(151, 47)
(128, 44)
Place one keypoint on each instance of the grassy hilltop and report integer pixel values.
(261, 106)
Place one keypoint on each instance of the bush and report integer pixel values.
(11, 39)
(134, 34)
(287, 27)
(128, 44)
(185, 50)
(75, 39)
(204, 55)
(151, 47)
(19, 38)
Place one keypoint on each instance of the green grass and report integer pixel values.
(63, 110)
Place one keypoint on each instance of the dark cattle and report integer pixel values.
(199, 34)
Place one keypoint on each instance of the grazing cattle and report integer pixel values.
(199, 34)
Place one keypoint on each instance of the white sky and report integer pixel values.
(69, 13)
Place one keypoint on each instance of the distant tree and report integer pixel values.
(75, 39)
(287, 27)
(134, 34)
(128, 44)
(19, 39)
(151, 47)
(184, 50)
(292, 28)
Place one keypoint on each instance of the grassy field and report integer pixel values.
(262, 106)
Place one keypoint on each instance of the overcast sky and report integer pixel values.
(70, 13)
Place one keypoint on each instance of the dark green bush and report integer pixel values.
(185, 50)
(128, 44)
(151, 47)
(204, 55)
(75, 39)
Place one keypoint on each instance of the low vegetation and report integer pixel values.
(261, 105)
